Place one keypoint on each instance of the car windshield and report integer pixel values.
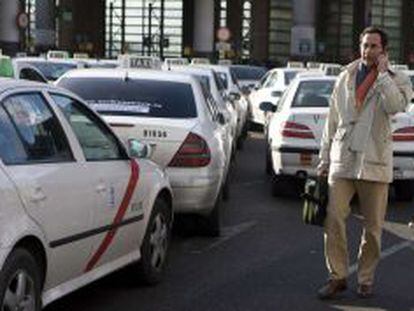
(137, 97)
(289, 76)
(51, 70)
(248, 72)
(313, 93)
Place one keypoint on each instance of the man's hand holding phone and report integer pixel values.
(382, 62)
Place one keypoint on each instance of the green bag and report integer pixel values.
(315, 201)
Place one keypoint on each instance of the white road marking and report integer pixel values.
(227, 234)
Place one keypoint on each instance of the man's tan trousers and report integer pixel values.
(372, 197)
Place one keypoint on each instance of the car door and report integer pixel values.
(118, 216)
(53, 185)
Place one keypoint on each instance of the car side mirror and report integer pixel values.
(276, 94)
(234, 96)
(220, 118)
(137, 149)
(267, 107)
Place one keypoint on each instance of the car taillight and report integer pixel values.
(293, 129)
(404, 134)
(194, 152)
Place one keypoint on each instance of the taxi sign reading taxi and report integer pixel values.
(138, 61)
(223, 34)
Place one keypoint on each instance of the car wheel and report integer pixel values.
(20, 282)
(154, 249)
(403, 190)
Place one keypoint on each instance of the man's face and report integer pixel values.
(371, 48)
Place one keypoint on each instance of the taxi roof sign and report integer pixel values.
(225, 62)
(57, 54)
(139, 61)
(176, 61)
(6, 67)
(200, 61)
(80, 55)
(295, 64)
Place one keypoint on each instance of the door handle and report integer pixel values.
(38, 195)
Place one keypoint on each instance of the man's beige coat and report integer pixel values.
(358, 144)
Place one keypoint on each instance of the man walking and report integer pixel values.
(356, 154)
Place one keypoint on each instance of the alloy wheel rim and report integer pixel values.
(158, 242)
(20, 293)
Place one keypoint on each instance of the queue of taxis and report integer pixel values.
(178, 118)
(295, 130)
(238, 100)
(77, 203)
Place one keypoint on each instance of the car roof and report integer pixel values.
(7, 83)
(47, 60)
(201, 70)
(130, 73)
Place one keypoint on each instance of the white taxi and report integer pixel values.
(235, 96)
(170, 112)
(295, 131)
(215, 90)
(270, 89)
(51, 68)
(75, 206)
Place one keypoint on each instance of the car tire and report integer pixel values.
(20, 273)
(154, 249)
(403, 190)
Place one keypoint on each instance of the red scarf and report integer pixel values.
(364, 87)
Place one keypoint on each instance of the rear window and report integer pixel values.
(52, 71)
(313, 94)
(248, 72)
(150, 98)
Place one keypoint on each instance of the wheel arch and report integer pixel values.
(35, 246)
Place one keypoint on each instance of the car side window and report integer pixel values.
(36, 132)
(11, 147)
(96, 140)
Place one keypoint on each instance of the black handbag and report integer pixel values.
(315, 202)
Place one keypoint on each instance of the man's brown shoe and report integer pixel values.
(364, 291)
(332, 288)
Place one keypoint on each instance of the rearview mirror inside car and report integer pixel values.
(267, 107)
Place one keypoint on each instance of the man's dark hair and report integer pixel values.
(372, 29)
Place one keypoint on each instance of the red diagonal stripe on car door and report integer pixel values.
(133, 180)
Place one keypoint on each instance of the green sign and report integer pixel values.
(6, 67)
